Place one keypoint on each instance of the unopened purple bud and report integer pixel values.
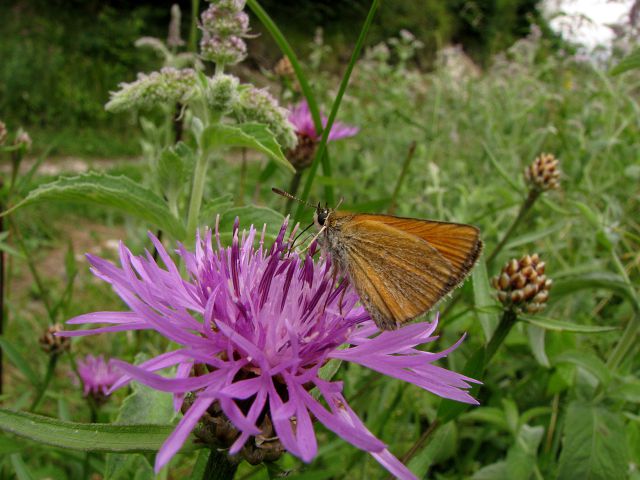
(23, 139)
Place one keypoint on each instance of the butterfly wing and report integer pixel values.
(458, 243)
(398, 275)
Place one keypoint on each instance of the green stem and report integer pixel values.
(322, 147)
(51, 367)
(524, 209)
(507, 322)
(219, 467)
(403, 174)
(286, 49)
(193, 29)
(197, 191)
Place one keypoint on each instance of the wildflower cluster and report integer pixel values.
(223, 26)
(168, 86)
(254, 327)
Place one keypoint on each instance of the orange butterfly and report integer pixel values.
(400, 267)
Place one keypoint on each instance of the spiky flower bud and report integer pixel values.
(3, 132)
(543, 174)
(258, 105)
(169, 85)
(522, 284)
(284, 68)
(174, 39)
(222, 93)
(53, 344)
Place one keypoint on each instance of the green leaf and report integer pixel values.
(536, 336)
(489, 415)
(482, 298)
(628, 391)
(98, 437)
(594, 444)
(630, 62)
(22, 472)
(250, 135)
(9, 445)
(592, 280)
(19, 361)
(214, 207)
(118, 192)
(251, 215)
(587, 361)
(522, 456)
(562, 326)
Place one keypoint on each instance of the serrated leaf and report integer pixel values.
(250, 135)
(19, 361)
(594, 444)
(587, 361)
(251, 215)
(98, 437)
(630, 62)
(118, 192)
(482, 298)
(562, 326)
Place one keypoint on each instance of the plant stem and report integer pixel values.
(2, 312)
(193, 28)
(197, 191)
(507, 322)
(51, 367)
(403, 174)
(219, 467)
(524, 209)
(322, 147)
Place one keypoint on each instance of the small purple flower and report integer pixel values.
(301, 118)
(254, 326)
(97, 375)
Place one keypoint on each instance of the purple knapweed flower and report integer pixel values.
(302, 120)
(308, 138)
(254, 326)
(97, 375)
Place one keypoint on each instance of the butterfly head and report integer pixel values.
(321, 215)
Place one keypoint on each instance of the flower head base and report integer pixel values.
(168, 86)
(308, 138)
(543, 174)
(53, 344)
(97, 376)
(522, 284)
(255, 325)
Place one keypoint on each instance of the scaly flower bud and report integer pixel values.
(169, 85)
(522, 284)
(257, 105)
(543, 174)
(53, 344)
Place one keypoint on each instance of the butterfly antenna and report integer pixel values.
(288, 195)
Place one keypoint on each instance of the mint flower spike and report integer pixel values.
(168, 86)
(254, 326)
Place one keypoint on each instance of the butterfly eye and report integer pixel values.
(322, 216)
